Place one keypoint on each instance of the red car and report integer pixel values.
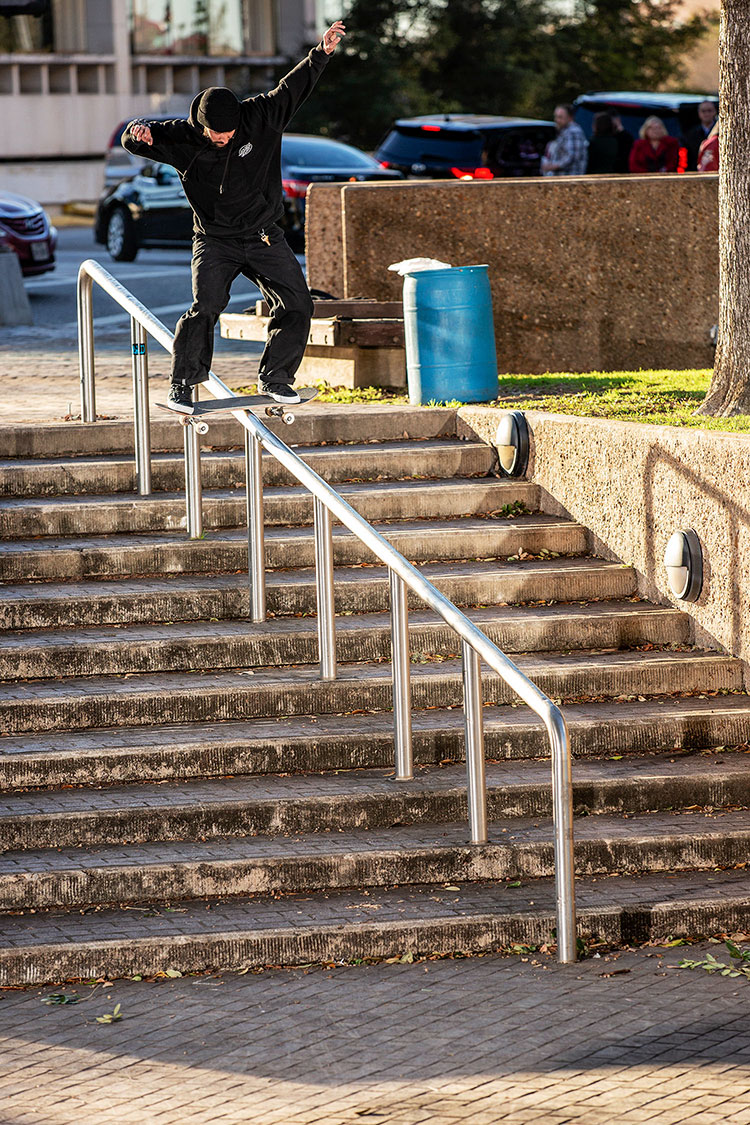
(25, 228)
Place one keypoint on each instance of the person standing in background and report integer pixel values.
(566, 154)
(624, 144)
(694, 138)
(708, 156)
(655, 150)
(603, 147)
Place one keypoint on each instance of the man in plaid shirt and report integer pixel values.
(567, 154)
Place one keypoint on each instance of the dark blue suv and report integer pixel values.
(679, 112)
(465, 146)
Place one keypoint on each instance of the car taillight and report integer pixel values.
(384, 164)
(682, 160)
(472, 173)
(295, 189)
(430, 128)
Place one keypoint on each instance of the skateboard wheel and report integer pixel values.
(288, 418)
(269, 412)
(201, 427)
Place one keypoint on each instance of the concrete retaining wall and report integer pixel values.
(588, 274)
(634, 485)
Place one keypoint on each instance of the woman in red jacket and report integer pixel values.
(656, 151)
(708, 154)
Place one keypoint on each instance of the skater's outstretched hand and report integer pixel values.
(141, 133)
(333, 37)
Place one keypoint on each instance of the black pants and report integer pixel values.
(276, 272)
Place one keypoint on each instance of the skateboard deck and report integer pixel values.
(241, 402)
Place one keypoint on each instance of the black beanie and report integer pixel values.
(218, 109)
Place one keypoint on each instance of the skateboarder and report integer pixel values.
(228, 157)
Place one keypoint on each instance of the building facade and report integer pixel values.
(702, 64)
(71, 70)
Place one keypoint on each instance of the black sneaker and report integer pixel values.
(279, 392)
(180, 398)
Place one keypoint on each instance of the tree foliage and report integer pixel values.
(404, 57)
(624, 45)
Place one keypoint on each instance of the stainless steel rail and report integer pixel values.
(328, 505)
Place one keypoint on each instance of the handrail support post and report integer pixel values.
(474, 727)
(401, 673)
(324, 588)
(562, 820)
(85, 313)
(141, 417)
(256, 551)
(193, 482)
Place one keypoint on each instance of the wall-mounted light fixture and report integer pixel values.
(512, 441)
(683, 559)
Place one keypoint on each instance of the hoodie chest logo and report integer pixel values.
(245, 149)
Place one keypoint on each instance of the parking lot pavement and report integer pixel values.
(621, 1039)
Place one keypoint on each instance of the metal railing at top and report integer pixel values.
(327, 505)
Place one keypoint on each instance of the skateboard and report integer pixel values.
(241, 402)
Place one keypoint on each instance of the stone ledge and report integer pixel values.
(591, 273)
(633, 485)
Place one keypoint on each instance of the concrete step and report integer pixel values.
(43, 831)
(226, 551)
(226, 469)
(186, 647)
(147, 700)
(392, 500)
(48, 606)
(316, 424)
(335, 742)
(340, 926)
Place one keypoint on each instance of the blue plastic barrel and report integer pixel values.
(450, 337)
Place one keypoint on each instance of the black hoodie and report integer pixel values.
(234, 189)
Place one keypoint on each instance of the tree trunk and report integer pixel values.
(729, 392)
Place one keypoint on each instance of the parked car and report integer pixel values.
(679, 112)
(149, 209)
(26, 229)
(463, 145)
(307, 160)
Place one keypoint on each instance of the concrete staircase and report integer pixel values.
(181, 791)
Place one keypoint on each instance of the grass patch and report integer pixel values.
(665, 398)
(353, 395)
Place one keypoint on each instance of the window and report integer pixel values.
(26, 33)
(67, 27)
(187, 27)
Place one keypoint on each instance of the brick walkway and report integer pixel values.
(44, 386)
(497, 1039)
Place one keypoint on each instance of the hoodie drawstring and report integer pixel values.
(200, 152)
(226, 166)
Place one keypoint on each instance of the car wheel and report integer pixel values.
(121, 240)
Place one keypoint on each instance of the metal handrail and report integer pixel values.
(476, 646)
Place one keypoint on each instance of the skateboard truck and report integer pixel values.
(198, 424)
(280, 412)
(201, 426)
